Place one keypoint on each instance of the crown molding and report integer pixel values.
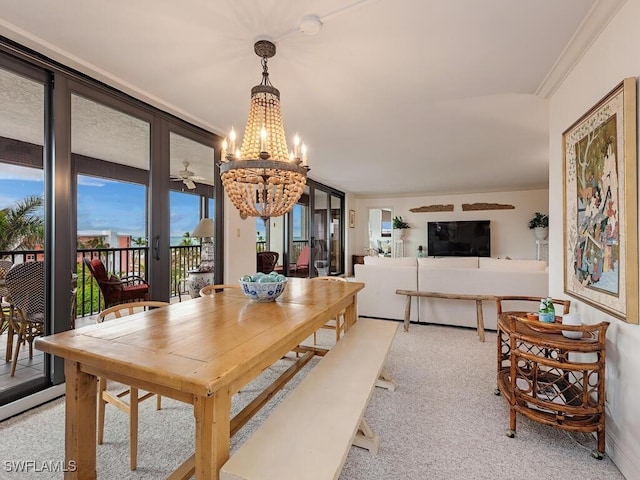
(589, 30)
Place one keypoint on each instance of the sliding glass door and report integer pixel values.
(24, 95)
(336, 234)
(192, 168)
(110, 153)
(310, 238)
(328, 227)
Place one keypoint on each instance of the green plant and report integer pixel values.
(399, 223)
(539, 220)
(22, 225)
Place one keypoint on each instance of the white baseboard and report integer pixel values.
(26, 403)
(627, 464)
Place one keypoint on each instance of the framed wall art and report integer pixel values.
(600, 205)
(352, 218)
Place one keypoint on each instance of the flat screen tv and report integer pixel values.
(470, 238)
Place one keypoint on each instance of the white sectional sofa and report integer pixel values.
(382, 276)
(456, 275)
(476, 276)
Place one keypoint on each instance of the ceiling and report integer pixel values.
(392, 97)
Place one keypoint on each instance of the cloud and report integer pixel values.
(14, 172)
(90, 181)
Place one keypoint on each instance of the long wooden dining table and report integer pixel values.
(201, 351)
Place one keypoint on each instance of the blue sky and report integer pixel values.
(102, 204)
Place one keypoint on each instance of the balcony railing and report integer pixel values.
(298, 245)
(123, 262)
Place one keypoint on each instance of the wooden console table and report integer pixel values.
(451, 296)
(543, 379)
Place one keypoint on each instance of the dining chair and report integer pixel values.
(115, 398)
(25, 286)
(117, 290)
(336, 323)
(211, 290)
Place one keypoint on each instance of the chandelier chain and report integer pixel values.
(265, 72)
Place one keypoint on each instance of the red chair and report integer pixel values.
(117, 290)
(302, 265)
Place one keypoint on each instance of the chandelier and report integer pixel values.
(262, 179)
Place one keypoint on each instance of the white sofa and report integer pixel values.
(382, 276)
(476, 276)
(467, 275)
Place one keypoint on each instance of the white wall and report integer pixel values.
(611, 58)
(510, 235)
(239, 244)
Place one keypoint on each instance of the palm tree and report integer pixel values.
(140, 241)
(187, 239)
(22, 226)
(97, 242)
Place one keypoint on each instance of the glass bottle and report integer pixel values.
(547, 311)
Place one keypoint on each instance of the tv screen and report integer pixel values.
(471, 238)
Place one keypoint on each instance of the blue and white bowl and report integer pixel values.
(263, 291)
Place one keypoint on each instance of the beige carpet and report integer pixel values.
(442, 422)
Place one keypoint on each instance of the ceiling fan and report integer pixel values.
(186, 176)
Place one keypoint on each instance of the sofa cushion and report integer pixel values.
(505, 265)
(448, 262)
(390, 261)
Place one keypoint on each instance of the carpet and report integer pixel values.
(442, 422)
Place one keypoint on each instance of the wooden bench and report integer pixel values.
(451, 296)
(308, 435)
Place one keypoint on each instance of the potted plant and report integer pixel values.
(400, 224)
(540, 225)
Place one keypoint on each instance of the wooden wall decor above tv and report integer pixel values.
(486, 206)
(432, 208)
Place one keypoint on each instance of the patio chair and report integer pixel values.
(25, 286)
(336, 323)
(115, 398)
(6, 309)
(302, 265)
(266, 261)
(117, 290)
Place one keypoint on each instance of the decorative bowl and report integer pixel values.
(263, 291)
